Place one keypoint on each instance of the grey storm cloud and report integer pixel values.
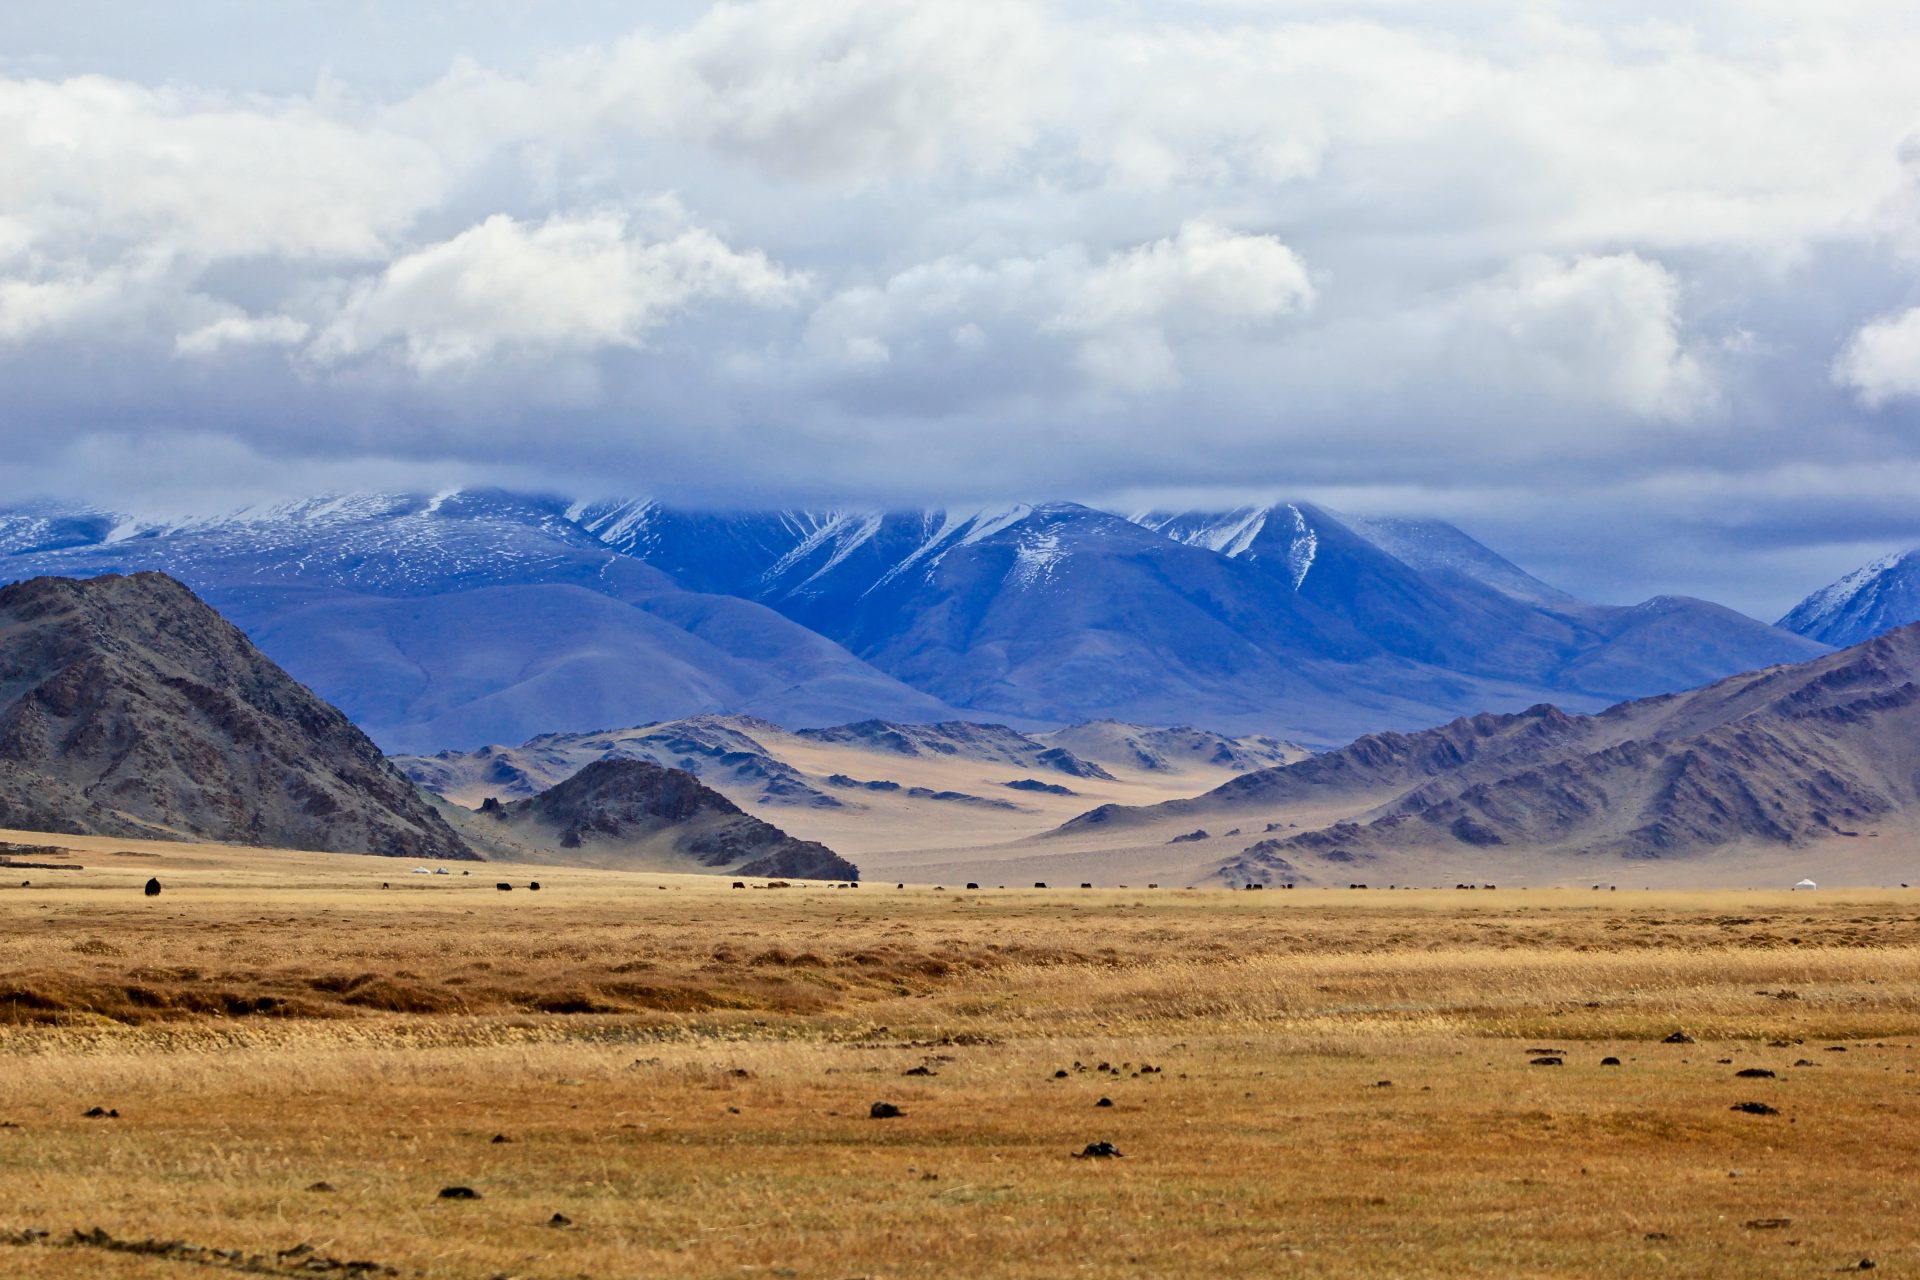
(1631, 291)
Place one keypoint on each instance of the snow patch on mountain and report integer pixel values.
(1878, 596)
(1305, 546)
(1034, 560)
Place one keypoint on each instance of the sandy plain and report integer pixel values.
(1345, 1083)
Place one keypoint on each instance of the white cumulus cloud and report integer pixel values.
(567, 284)
(1882, 362)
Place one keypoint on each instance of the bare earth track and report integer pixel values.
(1345, 1081)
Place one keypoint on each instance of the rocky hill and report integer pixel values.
(637, 814)
(130, 708)
(1785, 756)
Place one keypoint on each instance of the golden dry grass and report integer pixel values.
(685, 1073)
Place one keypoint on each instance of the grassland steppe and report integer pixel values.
(1344, 1082)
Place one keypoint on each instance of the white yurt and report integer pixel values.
(1806, 884)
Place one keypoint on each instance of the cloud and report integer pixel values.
(567, 284)
(1597, 329)
(888, 251)
(1882, 362)
(1200, 283)
(1063, 321)
(241, 331)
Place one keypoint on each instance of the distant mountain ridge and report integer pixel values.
(1781, 756)
(1876, 597)
(469, 617)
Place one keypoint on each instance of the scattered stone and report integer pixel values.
(321, 1187)
(1546, 1062)
(1836, 1048)
(1753, 1073)
(1754, 1109)
(1805, 1062)
(1678, 1037)
(153, 887)
(1104, 1102)
(501, 1137)
(883, 1111)
(1768, 1224)
(1061, 1074)
(459, 1193)
(1609, 1061)
(101, 1113)
(921, 1070)
(1099, 1151)
(1382, 1084)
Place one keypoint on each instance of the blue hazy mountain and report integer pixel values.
(1876, 597)
(468, 618)
(482, 616)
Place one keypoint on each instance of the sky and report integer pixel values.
(1629, 291)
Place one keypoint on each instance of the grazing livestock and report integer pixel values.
(504, 887)
(153, 888)
(533, 884)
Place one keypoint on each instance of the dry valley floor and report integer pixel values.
(637, 1075)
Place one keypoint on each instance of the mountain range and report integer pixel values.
(130, 708)
(466, 618)
(875, 788)
(1817, 753)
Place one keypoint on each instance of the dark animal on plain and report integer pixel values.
(533, 884)
(153, 888)
(503, 886)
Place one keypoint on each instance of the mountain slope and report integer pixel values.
(1876, 597)
(129, 708)
(1782, 756)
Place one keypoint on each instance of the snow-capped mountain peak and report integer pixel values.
(1882, 594)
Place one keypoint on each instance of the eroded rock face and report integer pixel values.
(1786, 755)
(130, 708)
(615, 806)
